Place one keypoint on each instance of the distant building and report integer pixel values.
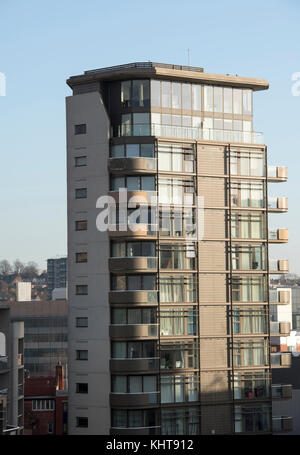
(46, 405)
(296, 307)
(11, 373)
(23, 291)
(59, 294)
(56, 274)
(45, 335)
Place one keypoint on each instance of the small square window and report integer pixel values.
(80, 129)
(81, 225)
(81, 193)
(82, 387)
(82, 289)
(82, 354)
(81, 257)
(82, 422)
(82, 322)
(80, 161)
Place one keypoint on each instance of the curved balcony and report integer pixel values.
(279, 266)
(282, 391)
(277, 204)
(278, 235)
(135, 431)
(282, 424)
(133, 264)
(136, 165)
(133, 331)
(280, 328)
(137, 231)
(277, 174)
(134, 365)
(281, 360)
(279, 297)
(141, 296)
(140, 197)
(134, 399)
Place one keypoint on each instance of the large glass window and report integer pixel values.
(249, 320)
(176, 191)
(133, 282)
(130, 316)
(133, 349)
(180, 421)
(237, 101)
(179, 388)
(178, 256)
(252, 419)
(176, 158)
(155, 93)
(218, 99)
(249, 289)
(133, 183)
(177, 288)
(166, 94)
(132, 249)
(178, 321)
(140, 93)
(249, 257)
(250, 353)
(247, 194)
(248, 163)
(176, 95)
(175, 223)
(134, 384)
(227, 100)
(186, 97)
(196, 97)
(247, 102)
(208, 98)
(178, 355)
(122, 418)
(248, 226)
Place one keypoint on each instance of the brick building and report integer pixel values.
(45, 405)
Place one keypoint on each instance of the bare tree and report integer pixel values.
(30, 271)
(5, 268)
(18, 267)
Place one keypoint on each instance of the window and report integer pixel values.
(81, 225)
(132, 151)
(237, 101)
(196, 96)
(82, 422)
(177, 223)
(247, 195)
(166, 94)
(249, 289)
(177, 289)
(248, 226)
(122, 418)
(179, 388)
(250, 353)
(133, 183)
(176, 95)
(140, 93)
(134, 316)
(81, 193)
(218, 99)
(43, 405)
(176, 158)
(135, 384)
(133, 349)
(208, 98)
(80, 129)
(251, 385)
(82, 322)
(133, 282)
(81, 289)
(178, 355)
(80, 161)
(81, 257)
(248, 163)
(82, 355)
(176, 190)
(132, 249)
(50, 428)
(228, 101)
(82, 387)
(179, 421)
(155, 93)
(249, 321)
(178, 321)
(126, 94)
(249, 257)
(178, 257)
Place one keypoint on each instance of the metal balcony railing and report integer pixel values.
(187, 132)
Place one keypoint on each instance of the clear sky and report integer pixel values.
(44, 42)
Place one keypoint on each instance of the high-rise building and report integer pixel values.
(169, 307)
(56, 274)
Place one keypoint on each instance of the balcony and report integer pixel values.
(139, 296)
(3, 363)
(182, 132)
(280, 297)
(134, 331)
(282, 391)
(134, 399)
(20, 390)
(135, 431)
(132, 165)
(281, 360)
(136, 264)
(278, 266)
(278, 235)
(282, 424)
(136, 231)
(134, 365)
(277, 174)
(277, 204)
(280, 328)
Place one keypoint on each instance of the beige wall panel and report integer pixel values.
(215, 387)
(211, 161)
(213, 321)
(212, 189)
(216, 420)
(212, 256)
(213, 353)
(212, 288)
(214, 224)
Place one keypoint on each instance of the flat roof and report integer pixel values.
(166, 71)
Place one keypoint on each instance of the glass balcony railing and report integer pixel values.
(185, 132)
(282, 391)
(282, 423)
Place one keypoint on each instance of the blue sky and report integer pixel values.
(42, 43)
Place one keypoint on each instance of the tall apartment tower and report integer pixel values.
(56, 274)
(169, 314)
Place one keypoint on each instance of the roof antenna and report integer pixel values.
(188, 56)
